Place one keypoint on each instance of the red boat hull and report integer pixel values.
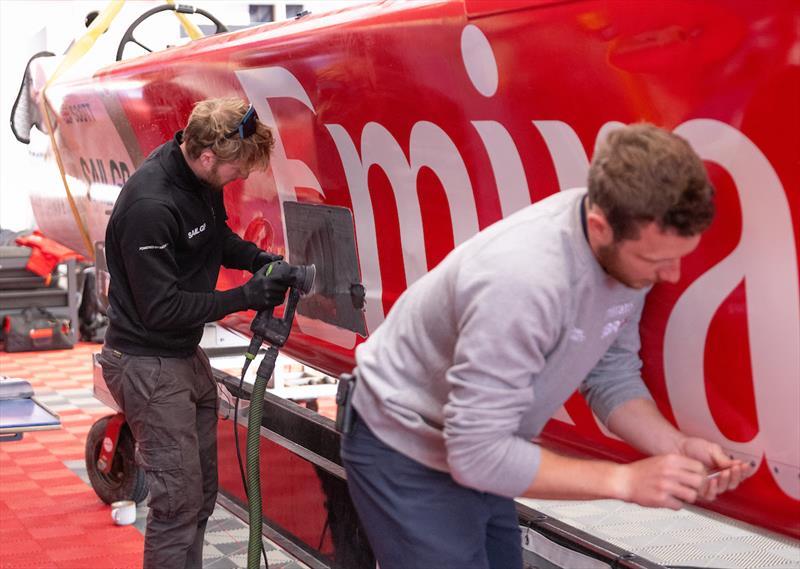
(430, 121)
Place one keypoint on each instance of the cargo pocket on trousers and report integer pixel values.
(112, 370)
(165, 477)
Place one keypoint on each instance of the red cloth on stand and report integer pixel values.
(45, 253)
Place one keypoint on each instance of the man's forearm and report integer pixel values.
(639, 423)
(238, 253)
(669, 480)
(565, 478)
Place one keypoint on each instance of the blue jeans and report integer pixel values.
(419, 518)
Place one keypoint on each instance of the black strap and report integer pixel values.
(21, 124)
(37, 313)
(583, 218)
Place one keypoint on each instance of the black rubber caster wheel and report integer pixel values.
(125, 480)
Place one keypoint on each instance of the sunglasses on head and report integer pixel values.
(247, 126)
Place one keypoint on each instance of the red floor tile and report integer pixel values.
(17, 487)
(61, 531)
(29, 560)
(50, 474)
(39, 506)
(35, 459)
(49, 518)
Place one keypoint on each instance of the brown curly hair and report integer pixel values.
(212, 119)
(642, 174)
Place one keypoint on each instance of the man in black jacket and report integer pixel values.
(165, 242)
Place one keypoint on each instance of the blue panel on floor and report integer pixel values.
(18, 415)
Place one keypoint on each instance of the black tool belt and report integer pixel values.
(345, 414)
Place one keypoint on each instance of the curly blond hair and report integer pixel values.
(212, 119)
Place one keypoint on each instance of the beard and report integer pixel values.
(213, 179)
(609, 258)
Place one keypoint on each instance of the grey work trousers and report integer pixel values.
(170, 405)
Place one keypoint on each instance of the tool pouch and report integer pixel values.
(345, 414)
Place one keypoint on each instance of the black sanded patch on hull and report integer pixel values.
(324, 235)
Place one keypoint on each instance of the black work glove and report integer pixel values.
(264, 258)
(262, 291)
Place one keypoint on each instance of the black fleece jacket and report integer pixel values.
(165, 242)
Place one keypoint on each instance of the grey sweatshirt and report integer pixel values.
(477, 355)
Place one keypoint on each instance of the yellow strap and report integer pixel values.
(76, 51)
(87, 242)
(190, 27)
(85, 43)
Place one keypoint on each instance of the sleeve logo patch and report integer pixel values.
(148, 247)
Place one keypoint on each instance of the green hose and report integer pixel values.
(253, 463)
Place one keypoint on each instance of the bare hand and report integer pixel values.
(728, 472)
(667, 481)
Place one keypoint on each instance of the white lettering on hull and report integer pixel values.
(765, 257)
(766, 260)
(509, 175)
(566, 150)
(429, 147)
(289, 173)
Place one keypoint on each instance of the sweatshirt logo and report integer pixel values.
(196, 231)
(619, 310)
(577, 335)
(619, 314)
(610, 328)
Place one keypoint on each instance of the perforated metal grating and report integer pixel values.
(689, 537)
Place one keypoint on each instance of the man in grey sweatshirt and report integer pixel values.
(477, 355)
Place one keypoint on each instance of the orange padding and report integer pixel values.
(46, 253)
